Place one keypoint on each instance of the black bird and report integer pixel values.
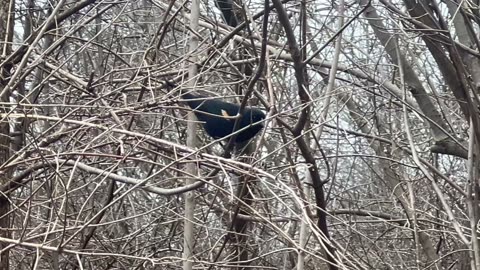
(219, 117)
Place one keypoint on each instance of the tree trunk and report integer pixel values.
(188, 238)
(6, 34)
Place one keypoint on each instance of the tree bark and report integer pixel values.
(188, 238)
(6, 34)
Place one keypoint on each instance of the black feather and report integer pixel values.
(219, 117)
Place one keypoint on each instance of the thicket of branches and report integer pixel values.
(369, 157)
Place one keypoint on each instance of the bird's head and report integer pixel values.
(254, 116)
